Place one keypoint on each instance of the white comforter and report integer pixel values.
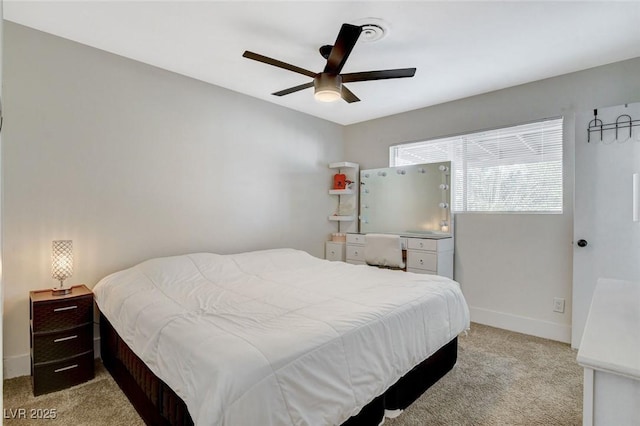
(278, 337)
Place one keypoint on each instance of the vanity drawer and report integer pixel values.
(355, 239)
(422, 244)
(334, 251)
(355, 253)
(422, 260)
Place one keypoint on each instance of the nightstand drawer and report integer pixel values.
(61, 314)
(62, 344)
(52, 376)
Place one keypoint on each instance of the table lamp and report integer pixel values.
(62, 264)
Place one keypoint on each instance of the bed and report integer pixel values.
(275, 337)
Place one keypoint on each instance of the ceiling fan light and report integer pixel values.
(328, 88)
(327, 95)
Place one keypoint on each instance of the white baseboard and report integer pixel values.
(16, 366)
(20, 365)
(525, 325)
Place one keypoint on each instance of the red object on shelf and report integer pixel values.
(339, 181)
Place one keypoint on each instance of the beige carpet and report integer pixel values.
(98, 402)
(502, 378)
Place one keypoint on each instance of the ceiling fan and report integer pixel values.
(328, 84)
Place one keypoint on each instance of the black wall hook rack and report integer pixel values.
(624, 121)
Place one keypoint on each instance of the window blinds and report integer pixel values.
(513, 169)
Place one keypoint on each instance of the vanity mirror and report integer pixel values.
(406, 200)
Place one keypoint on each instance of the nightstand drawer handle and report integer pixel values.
(62, 339)
(66, 308)
(59, 370)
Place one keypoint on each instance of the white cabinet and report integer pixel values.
(355, 249)
(424, 255)
(334, 251)
(430, 256)
(610, 354)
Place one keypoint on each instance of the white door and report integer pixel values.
(606, 238)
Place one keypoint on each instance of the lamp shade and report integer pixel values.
(62, 259)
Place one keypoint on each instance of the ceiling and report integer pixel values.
(460, 49)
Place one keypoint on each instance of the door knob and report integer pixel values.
(582, 243)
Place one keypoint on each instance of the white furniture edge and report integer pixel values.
(610, 352)
(611, 340)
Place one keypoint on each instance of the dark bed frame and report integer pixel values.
(158, 404)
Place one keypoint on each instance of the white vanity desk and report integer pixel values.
(610, 355)
(425, 253)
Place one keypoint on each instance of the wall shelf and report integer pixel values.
(344, 164)
(342, 218)
(345, 215)
(342, 192)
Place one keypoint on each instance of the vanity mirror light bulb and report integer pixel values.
(381, 173)
(444, 186)
(443, 205)
(401, 172)
(443, 168)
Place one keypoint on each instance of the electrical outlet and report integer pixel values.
(558, 304)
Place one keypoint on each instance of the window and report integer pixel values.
(513, 169)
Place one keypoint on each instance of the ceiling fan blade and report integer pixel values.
(293, 89)
(348, 95)
(343, 46)
(277, 63)
(378, 75)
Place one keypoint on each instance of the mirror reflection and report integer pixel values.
(406, 200)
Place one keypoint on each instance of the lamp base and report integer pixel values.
(61, 291)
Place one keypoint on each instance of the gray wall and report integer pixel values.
(132, 162)
(510, 266)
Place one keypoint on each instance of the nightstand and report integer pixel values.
(61, 339)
